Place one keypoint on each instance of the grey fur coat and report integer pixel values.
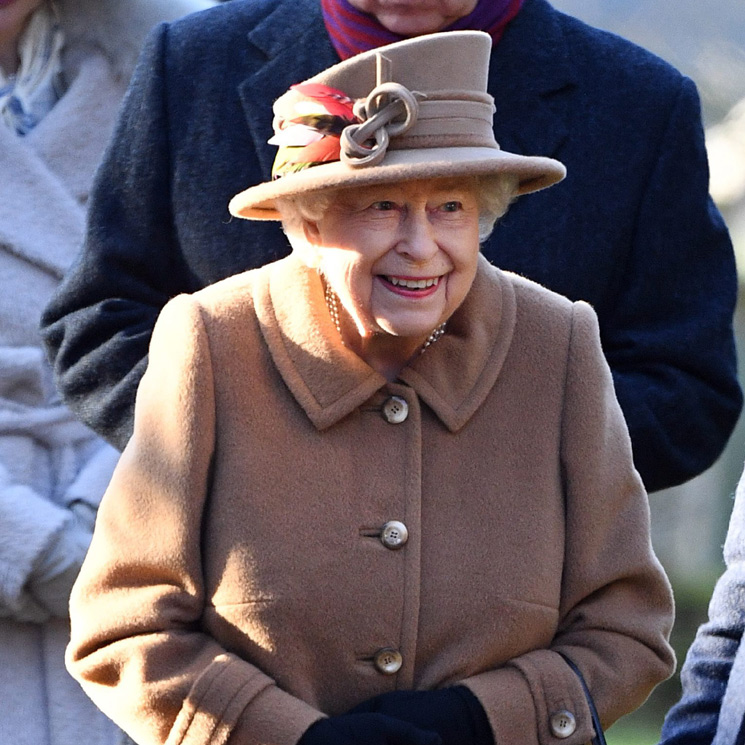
(53, 470)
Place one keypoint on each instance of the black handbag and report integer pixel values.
(599, 738)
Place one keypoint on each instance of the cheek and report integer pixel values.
(466, 263)
(464, 244)
(348, 275)
(462, 284)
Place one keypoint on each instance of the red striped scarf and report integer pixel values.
(352, 31)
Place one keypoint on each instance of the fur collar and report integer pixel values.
(115, 27)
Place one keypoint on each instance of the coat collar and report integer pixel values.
(531, 72)
(55, 164)
(291, 55)
(116, 28)
(71, 138)
(329, 381)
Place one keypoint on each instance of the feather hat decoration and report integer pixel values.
(415, 109)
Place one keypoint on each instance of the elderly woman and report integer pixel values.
(64, 68)
(378, 491)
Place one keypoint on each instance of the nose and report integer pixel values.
(417, 240)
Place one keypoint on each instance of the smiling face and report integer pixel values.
(415, 17)
(401, 258)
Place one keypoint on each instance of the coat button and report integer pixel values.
(563, 724)
(394, 534)
(395, 410)
(388, 661)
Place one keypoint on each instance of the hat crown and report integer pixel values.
(416, 109)
(447, 61)
(424, 92)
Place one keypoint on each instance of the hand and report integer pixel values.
(57, 569)
(454, 713)
(366, 729)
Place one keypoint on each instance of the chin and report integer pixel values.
(410, 25)
(407, 332)
(409, 30)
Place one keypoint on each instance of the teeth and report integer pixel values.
(414, 284)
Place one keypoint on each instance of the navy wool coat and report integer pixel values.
(712, 708)
(631, 230)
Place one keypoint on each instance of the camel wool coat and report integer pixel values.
(237, 587)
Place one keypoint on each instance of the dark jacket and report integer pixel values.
(712, 708)
(631, 230)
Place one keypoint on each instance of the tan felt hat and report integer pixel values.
(416, 109)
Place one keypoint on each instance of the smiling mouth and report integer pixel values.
(410, 283)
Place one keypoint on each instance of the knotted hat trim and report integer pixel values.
(401, 132)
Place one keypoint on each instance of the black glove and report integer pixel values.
(454, 713)
(366, 729)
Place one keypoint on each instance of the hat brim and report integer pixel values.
(533, 173)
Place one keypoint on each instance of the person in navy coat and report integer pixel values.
(711, 710)
(632, 229)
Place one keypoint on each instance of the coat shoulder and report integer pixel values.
(551, 319)
(231, 299)
(601, 56)
(119, 28)
(545, 321)
(535, 299)
(238, 18)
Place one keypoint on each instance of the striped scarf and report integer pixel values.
(352, 31)
(28, 95)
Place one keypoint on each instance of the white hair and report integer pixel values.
(494, 194)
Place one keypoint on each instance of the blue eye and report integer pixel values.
(453, 206)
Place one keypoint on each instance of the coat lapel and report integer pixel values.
(455, 376)
(327, 379)
(40, 236)
(56, 176)
(83, 119)
(291, 57)
(531, 78)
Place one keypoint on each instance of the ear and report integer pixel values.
(311, 232)
(307, 246)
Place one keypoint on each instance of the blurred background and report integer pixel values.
(705, 41)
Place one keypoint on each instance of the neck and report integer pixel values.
(385, 353)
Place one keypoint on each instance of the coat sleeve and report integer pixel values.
(97, 327)
(709, 677)
(616, 607)
(137, 647)
(30, 527)
(668, 333)
(44, 534)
